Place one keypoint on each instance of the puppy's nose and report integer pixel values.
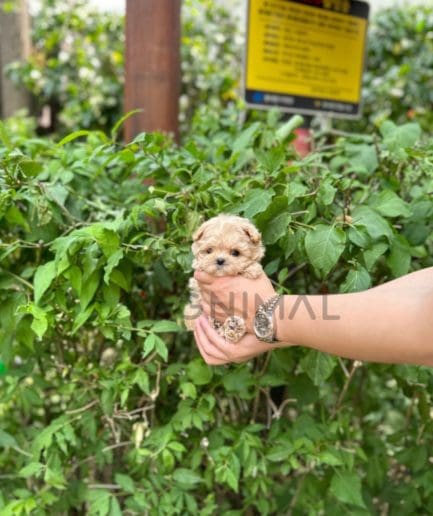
(220, 261)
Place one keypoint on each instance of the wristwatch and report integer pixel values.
(263, 320)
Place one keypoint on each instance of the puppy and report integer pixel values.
(225, 245)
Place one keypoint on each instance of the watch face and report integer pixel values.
(262, 325)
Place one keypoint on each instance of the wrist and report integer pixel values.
(282, 322)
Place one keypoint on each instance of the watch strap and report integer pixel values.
(268, 308)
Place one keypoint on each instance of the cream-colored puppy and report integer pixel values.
(225, 245)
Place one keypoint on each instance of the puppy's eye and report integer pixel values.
(209, 250)
(235, 252)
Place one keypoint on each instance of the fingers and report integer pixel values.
(210, 354)
(219, 347)
(203, 277)
(219, 344)
(215, 350)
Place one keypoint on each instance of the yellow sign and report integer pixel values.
(305, 57)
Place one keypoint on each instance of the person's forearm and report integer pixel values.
(392, 323)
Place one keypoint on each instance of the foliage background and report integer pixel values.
(77, 63)
(75, 40)
(106, 407)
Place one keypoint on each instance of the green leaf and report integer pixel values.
(149, 344)
(120, 122)
(161, 348)
(40, 322)
(331, 457)
(276, 228)
(199, 372)
(359, 236)
(166, 326)
(88, 289)
(272, 267)
(188, 390)
(346, 487)
(246, 138)
(43, 278)
(280, 452)
(239, 380)
(125, 482)
(318, 366)
(4, 137)
(30, 167)
(374, 253)
(14, 216)
(177, 447)
(112, 262)
(357, 279)
(398, 138)
(232, 480)
(389, 204)
(57, 192)
(7, 440)
(324, 246)
(107, 401)
(186, 478)
(375, 224)
(115, 509)
(73, 136)
(119, 279)
(34, 468)
(256, 201)
(44, 438)
(81, 318)
(272, 159)
(107, 239)
(75, 276)
(99, 500)
(141, 378)
(399, 258)
(326, 193)
(362, 157)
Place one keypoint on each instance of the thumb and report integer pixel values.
(203, 277)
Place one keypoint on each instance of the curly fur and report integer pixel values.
(226, 245)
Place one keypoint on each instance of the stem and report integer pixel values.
(294, 500)
(21, 280)
(104, 486)
(82, 409)
(356, 364)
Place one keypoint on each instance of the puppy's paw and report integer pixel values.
(253, 271)
(234, 328)
(217, 325)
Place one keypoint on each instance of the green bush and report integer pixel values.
(106, 406)
(211, 53)
(77, 63)
(398, 78)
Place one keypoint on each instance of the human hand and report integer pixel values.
(215, 350)
(225, 296)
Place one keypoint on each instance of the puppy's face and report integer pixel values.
(226, 245)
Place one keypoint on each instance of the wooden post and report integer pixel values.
(152, 66)
(14, 46)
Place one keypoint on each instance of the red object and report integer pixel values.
(302, 143)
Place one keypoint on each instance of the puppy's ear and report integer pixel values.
(252, 232)
(198, 233)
